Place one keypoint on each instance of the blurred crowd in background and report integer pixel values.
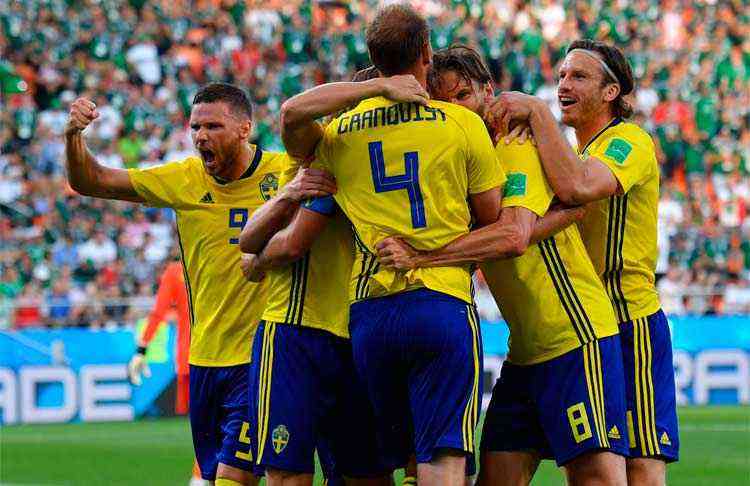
(70, 260)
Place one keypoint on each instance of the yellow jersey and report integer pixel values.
(224, 307)
(405, 169)
(620, 232)
(551, 296)
(313, 291)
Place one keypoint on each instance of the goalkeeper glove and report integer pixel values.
(138, 366)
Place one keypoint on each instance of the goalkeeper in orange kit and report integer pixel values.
(171, 300)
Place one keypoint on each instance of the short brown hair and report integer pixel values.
(395, 39)
(616, 61)
(234, 96)
(463, 60)
(365, 74)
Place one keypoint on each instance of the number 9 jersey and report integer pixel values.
(406, 170)
(224, 307)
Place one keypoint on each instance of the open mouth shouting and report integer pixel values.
(566, 101)
(208, 156)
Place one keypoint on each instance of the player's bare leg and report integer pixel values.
(231, 476)
(597, 469)
(645, 471)
(447, 468)
(277, 477)
(507, 468)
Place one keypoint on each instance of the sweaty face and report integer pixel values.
(579, 90)
(456, 89)
(218, 135)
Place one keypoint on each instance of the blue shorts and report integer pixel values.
(563, 407)
(308, 397)
(420, 356)
(649, 377)
(219, 418)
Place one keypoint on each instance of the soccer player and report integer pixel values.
(213, 195)
(614, 167)
(306, 384)
(407, 169)
(550, 400)
(170, 297)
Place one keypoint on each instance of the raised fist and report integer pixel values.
(82, 113)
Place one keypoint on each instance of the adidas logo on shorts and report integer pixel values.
(664, 439)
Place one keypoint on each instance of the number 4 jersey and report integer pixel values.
(406, 170)
(224, 307)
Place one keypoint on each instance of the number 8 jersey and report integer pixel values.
(406, 170)
(224, 307)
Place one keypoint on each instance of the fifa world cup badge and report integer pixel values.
(280, 438)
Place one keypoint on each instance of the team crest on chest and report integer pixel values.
(280, 438)
(268, 186)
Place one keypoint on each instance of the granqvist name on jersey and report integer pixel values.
(389, 115)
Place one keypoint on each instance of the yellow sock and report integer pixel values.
(408, 481)
(226, 482)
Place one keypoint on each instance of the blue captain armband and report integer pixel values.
(323, 205)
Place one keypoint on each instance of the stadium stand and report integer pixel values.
(72, 261)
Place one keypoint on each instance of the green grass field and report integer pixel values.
(715, 451)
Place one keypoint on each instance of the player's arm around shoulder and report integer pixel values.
(507, 237)
(300, 131)
(85, 174)
(485, 174)
(275, 214)
(574, 181)
(295, 240)
(527, 187)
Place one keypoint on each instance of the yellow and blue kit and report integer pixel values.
(561, 391)
(620, 236)
(306, 394)
(224, 307)
(406, 170)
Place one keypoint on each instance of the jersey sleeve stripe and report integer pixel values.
(297, 290)
(293, 292)
(608, 265)
(546, 258)
(369, 267)
(614, 260)
(566, 292)
(621, 262)
(305, 265)
(185, 273)
(586, 323)
(375, 268)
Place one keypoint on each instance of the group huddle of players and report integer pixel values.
(330, 289)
